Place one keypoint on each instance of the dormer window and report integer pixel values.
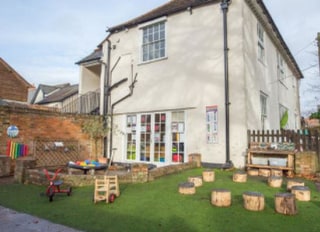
(153, 41)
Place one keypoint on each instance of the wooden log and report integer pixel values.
(253, 201)
(208, 176)
(275, 181)
(221, 197)
(276, 172)
(197, 180)
(294, 182)
(187, 188)
(240, 177)
(302, 193)
(285, 203)
(264, 172)
(253, 172)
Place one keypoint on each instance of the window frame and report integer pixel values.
(261, 43)
(263, 108)
(161, 41)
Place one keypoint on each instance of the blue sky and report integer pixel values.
(42, 39)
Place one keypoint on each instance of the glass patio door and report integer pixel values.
(153, 137)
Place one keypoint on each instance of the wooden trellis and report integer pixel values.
(55, 152)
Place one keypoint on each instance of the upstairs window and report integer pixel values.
(280, 69)
(264, 112)
(153, 41)
(261, 51)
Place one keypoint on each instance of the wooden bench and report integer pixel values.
(271, 158)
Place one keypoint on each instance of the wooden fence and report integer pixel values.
(304, 140)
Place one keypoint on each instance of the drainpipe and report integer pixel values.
(106, 97)
(131, 87)
(224, 7)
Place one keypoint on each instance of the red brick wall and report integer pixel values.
(36, 124)
(12, 88)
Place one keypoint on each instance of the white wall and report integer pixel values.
(191, 77)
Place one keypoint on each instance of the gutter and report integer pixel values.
(224, 7)
(106, 91)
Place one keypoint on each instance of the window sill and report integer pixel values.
(152, 61)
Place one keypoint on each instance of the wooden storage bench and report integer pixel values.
(271, 159)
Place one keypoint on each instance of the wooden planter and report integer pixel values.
(208, 176)
(302, 193)
(285, 203)
(240, 177)
(187, 188)
(275, 181)
(197, 180)
(221, 197)
(294, 182)
(253, 201)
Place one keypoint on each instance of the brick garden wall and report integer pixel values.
(35, 124)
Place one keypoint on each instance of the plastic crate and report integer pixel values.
(259, 160)
(278, 162)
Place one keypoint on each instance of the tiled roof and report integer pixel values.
(171, 7)
(61, 94)
(95, 55)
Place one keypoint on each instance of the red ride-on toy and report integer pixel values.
(54, 186)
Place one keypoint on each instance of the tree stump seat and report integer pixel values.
(208, 176)
(187, 188)
(239, 177)
(275, 181)
(253, 172)
(294, 182)
(221, 197)
(285, 203)
(276, 172)
(264, 172)
(197, 180)
(253, 201)
(302, 193)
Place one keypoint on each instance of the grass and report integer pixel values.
(157, 206)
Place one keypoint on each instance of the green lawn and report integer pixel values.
(158, 206)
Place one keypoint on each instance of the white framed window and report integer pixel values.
(283, 116)
(261, 50)
(281, 69)
(153, 45)
(264, 109)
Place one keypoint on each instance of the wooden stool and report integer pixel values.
(285, 203)
(294, 182)
(253, 201)
(208, 175)
(276, 172)
(197, 180)
(275, 181)
(240, 177)
(253, 172)
(302, 193)
(221, 197)
(187, 188)
(264, 172)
